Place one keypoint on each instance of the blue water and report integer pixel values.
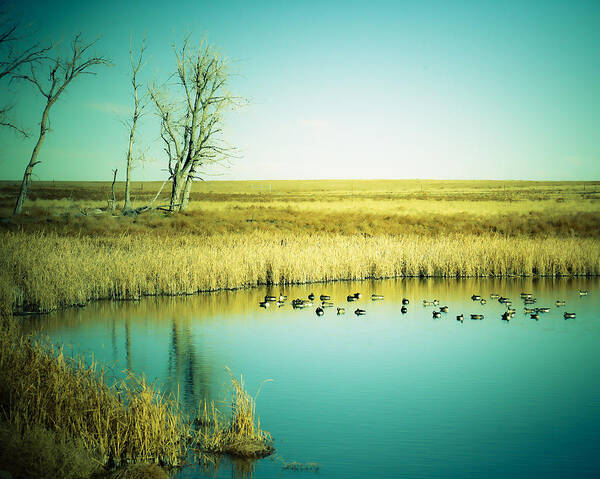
(380, 395)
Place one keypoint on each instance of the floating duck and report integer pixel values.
(341, 311)
(311, 296)
(264, 304)
(542, 310)
(435, 302)
(270, 298)
(282, 297)
(437, 314)
(324, 297)
(460, 318)
(376, 297)
(476, 297)
(444, 309)
(583, 292)
(526, 295)
(319, 311)
(560, 302)
(357, 295)
(404, 310)
(327, 304)
(494, 296)
(511, 311)
(529, 310)
(477, 316)
(351, 298)
(506, 316)
(569, 315)
(502, 299)
(427, 303)
(535, 316)
(483, 301)
(405, 301)
(530, 300)
(359, 311)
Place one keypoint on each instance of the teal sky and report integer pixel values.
(340, 89)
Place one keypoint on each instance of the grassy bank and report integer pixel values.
(42, 271)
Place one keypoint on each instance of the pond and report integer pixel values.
(381, 395)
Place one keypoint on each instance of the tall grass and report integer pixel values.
(40, 271)
(128, 421)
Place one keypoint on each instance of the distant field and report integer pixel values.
(371, 207)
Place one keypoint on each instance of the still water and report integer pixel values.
(382, 395)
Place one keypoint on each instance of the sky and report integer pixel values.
(335, 89)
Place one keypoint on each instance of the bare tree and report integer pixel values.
(139, 104)
(191, 124)
(61, 73)
(14, 55)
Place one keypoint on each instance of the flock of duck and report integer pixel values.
(325, 302)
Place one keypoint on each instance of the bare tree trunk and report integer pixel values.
(176, 192)
(32, 162)
(185, 199)
(127, 205)
(114, 198)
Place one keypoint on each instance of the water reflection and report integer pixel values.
(410, 395)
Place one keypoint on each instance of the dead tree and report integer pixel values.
(14, 56)
(138, 107)
(191, 124)
(61, 73)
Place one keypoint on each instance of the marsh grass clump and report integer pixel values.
(240, 435)
(126, 422)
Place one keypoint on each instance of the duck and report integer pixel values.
(270, 298)
(427, 303)
(324, 297)
(444, 309)
(568, 315)
(326, 304)
(529, 310)
(560, 302)
(476, 297)
(460, 318)
(376, 297)
(264, 304)
(311, 296)
(405, 301)
(506, 316)
(542, 310)
(511, 310)
(435, 302)
(357, 295)
(526, 295)
(404, 310)
(351, 297)
(535, 316)
(583, 292)
(530, 301)
(477, 316)
(282, 297)
(494, 296)
(359, 311)
(483, 301)
(341, 311)
(437, 314)
(319, 311)
(502, 299)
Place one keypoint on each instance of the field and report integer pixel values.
(68, 249)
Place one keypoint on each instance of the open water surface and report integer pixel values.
(387, 394)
